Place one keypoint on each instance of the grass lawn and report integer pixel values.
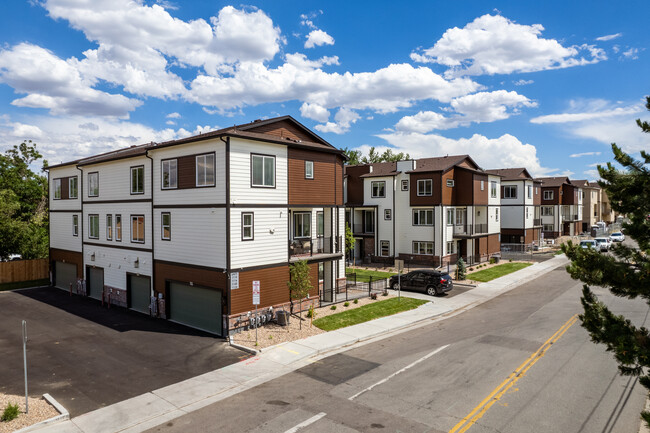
(364, 275)
(23, 284)
(367, 312)
(496, 271)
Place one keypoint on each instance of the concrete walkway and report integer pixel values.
(162, 405)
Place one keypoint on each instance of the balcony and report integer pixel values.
(358, 229)
(314, 247)
(537, 222)
(469, 229)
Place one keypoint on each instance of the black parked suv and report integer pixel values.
(424, 280)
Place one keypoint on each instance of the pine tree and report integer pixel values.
(461, 269)
(626, 273)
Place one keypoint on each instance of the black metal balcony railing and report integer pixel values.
(312, 246)
(537, 222)
(469, 229)
(575, 217)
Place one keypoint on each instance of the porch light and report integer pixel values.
(136, 264)
(92, 257)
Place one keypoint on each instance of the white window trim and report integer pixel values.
(162, 172)
(308, 236)
(451, 216)
(309, 174)
(372, 188)
(135, 217)
(450, 247)
(253, 184)
(163, 225)
(118, 233)
(244, 225)
(419, 213)
(424, 182)
(94, 174)
(136, 168)
(75, 225)
(451, 183)
(482, 185)
(196, 169)
(91, 217)
(388, 214)
(550, 195)
(109, 227)
(381, 248)
(494, 189)
(57, 189)
(70, 189)
(415, 248)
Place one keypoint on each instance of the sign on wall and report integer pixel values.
(234, 280)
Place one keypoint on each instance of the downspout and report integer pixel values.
(228, 259)
(153, 239)
(80, 194)
(393, 216)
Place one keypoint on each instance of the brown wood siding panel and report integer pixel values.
(448, 193)
(178, 272)
(512, 232)
(186, 172)
(65, 188)
(339, 181)
(431, 200)
(481, 246)
(273, 288)
(68, 257)
(283, 129)
(493, 244)
(320, 189)
(537, 198)
(463, 190)
(481, 197)
(355, 184)
(569, 194)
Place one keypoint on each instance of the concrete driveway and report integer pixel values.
(87, 356)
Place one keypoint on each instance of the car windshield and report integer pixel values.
(587, 243)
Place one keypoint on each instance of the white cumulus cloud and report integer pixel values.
(343, 119)
(317, 38)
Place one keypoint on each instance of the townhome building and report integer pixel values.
(521, 200)
(591, 203)
(185, 229)
(607, 214)
(426, 211)
(561, 207)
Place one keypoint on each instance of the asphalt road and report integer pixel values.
(518, 363)
(88, 357)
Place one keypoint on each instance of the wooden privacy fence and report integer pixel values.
(23, 270)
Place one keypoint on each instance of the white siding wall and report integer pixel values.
(61, 231)
(494, 200)
(241, 191)
(512, 217)
(116, 263)
(521, 192)
(494, 226)
(198, 236)
(206, 195)
(115, 179)
(126, 210)
(69, 204)
(271, 243)
(384, 229)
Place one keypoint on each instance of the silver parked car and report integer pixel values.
(617, 237)
(602, 244)
(588, 243)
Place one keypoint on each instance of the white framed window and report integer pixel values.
(388, 214)
(536, 190)
(450, 183)
(262, 171)
(422, 217)
(423, 248)
(405, 185)
(309, 169)
(450, 216)
(482, 185)
(548, 195)
(73, 184)
(493, 189)
(547, 227)
(166, 226)
(247, 231)
(497, 215)
(75, 225)
(118, 228)
(137, 180)
(57, 189)
(384, 248)
(450, 247)
(510, 191)
(93, 226)
(425, 187)
(378, 189)
(169, 170)
(137, 229)
(547, 210)
(93, 184)
(205, 170)
(461, 216)
(109, 227)
(301, 225)
(320, 224)
(530, 191)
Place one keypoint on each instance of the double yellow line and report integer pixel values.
(500, 390)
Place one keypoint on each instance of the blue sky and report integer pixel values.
(545, 85)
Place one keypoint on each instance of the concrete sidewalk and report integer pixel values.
(160, 406)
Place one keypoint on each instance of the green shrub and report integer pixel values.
(333, 307)
(10, 413)
(347, 304)
(492, 260)
(510, 260)
(356, 301)
(373, 296)
(310, 312)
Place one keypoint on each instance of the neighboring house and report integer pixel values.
(186, 226)
(427, 211)
(561, 207)
(520, 206)
(591, 203)
(607, 214)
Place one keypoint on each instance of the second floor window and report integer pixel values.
(425, 187)
(137, 180)
(530, 191)
(450, 216)
(302, 225)
(169, 174)
(247, 233)
(109, 227)
(57, 189)
(309, 169)
(320, 224)
(548, 195)
(510, 191)
(497, 215)
(75, 225)
(137, 229)
(118, 227)
(263, 171)
(493, 189)
(378, 189)
(93, 226)
(72, 186)
(93, 184)
(547, 210)
(166, 226)
(205, 170)
(422, 217)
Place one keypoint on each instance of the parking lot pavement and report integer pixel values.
(87, 356)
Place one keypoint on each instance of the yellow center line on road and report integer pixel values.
(504, 386)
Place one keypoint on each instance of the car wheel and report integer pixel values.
(395, 286)
(432, 291)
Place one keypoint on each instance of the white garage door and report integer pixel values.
(196, 307)
(64, 275)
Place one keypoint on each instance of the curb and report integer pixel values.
(63, 415)
(243, 348)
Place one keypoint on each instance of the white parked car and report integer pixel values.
(617, 237)
(602, 244)
(588, 243)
